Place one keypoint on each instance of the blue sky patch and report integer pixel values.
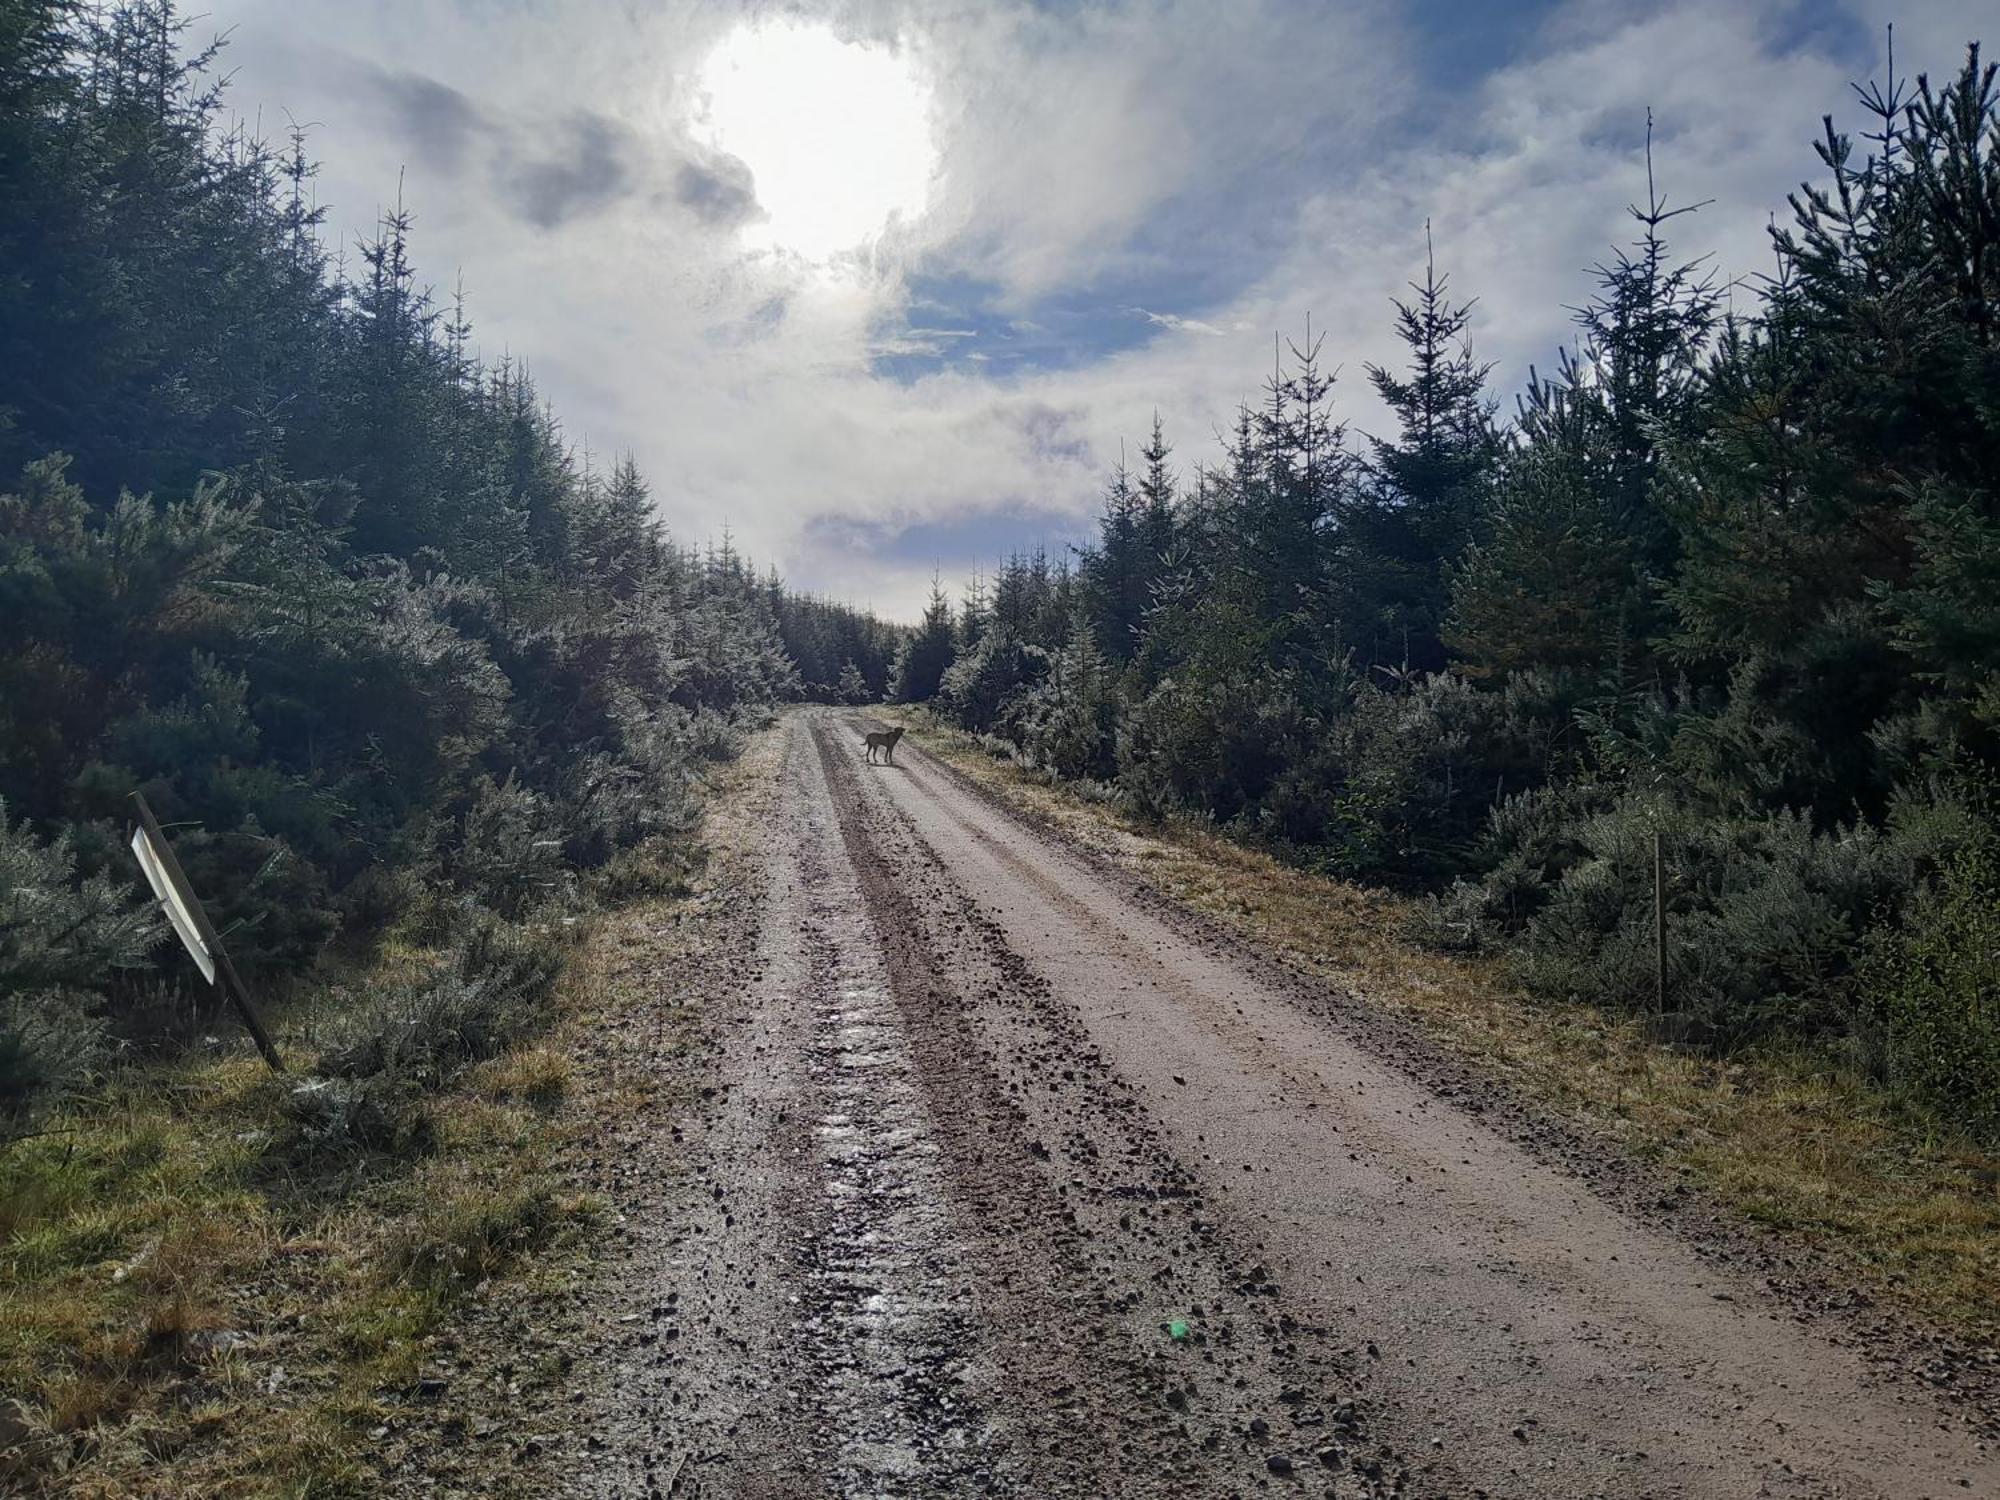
(955, 544)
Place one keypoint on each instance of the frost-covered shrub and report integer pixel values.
(982, 690)
(852, 687)
(333, 1117)
(713, 736)
(492, 986)
(378, 896)
(64, 943)
(509, 849)
(1069, 721)
(58, 932)
(50, 1043)
(651, 789)
(607, 806)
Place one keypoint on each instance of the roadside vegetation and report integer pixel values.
(423, 695)
(202, 1285)
(418, 693)
(221, 1282)
(1724, 581)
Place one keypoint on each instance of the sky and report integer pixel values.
(884, 289)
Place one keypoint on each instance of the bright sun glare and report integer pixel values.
(836, 134)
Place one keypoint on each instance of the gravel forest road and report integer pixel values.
(1011, 1179)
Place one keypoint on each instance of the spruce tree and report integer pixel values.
(1415, 514)
(852, 686)
(1158, 492)
(928, 653)
(1293, 488)
(1549, 583)
(1644, 335)
(1115, 570)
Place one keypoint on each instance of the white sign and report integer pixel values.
(172, 904)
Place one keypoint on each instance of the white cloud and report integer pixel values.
(1180, 324)
(1248, 163)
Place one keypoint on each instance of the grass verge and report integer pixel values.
(192, 1304)
(187, 1310)
(1788, 1137)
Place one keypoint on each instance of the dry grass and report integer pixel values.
(1788, 1137)
(540, 1075)
(168, 1300)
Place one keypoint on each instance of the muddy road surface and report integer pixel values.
(1007, 1180)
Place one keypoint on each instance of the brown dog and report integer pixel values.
(885, 741)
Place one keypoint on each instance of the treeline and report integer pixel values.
(1731, 578)
(843, 655)
(277, 550)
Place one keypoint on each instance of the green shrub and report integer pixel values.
(1069, 721)
(57, 931)
(50, 1044)
(492, 987)
(509, 851)
(714, 736)
(272, 907)
(1386, 783)
(1931, 991)
(336, 595)
(1764, 914)
(1411, 773)
(983, 690)
(1209, 748)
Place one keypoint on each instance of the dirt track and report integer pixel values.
(1010, 1182)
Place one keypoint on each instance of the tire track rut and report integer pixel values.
(1006, 1182)
(920, 1239)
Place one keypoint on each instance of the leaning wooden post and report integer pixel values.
(185, 911)
(1659, 926)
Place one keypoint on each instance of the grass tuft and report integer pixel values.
(476, 1235)
(539, 1075)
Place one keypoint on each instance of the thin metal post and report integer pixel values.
(232, 982)
(1659, 925)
